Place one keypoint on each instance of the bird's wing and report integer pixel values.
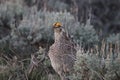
(68, 62)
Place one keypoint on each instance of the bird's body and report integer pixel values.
(62, 54)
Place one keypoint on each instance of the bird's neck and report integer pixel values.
(57, 36)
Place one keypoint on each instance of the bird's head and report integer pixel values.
(57, 26)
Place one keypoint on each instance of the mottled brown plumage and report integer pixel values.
(62, 53)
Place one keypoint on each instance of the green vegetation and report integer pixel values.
(26, 34)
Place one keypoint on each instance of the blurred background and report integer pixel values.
(26, 34)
